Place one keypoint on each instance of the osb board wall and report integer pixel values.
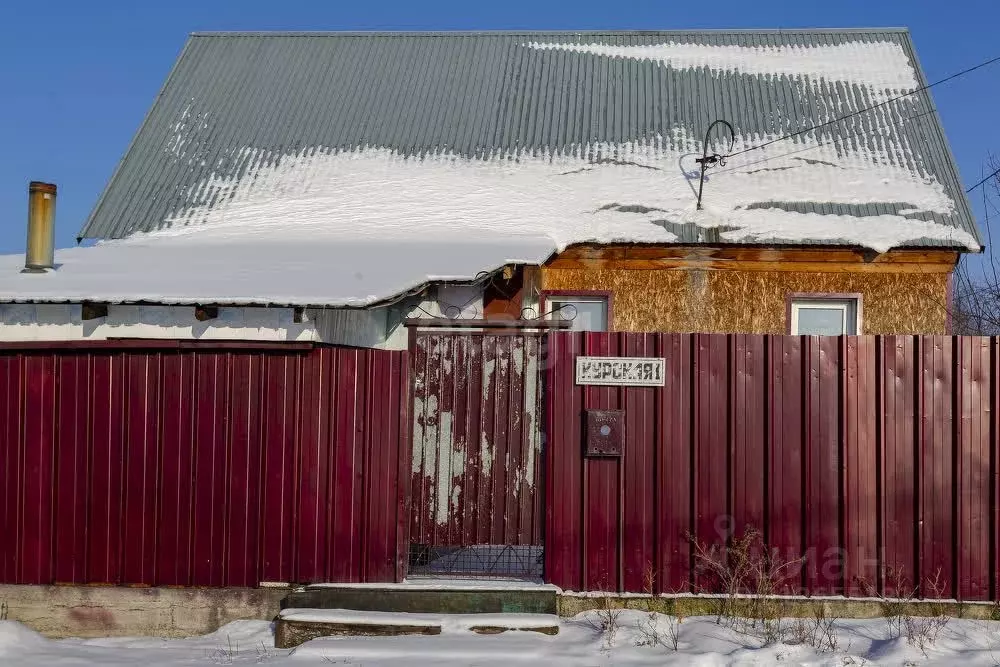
(710, 301)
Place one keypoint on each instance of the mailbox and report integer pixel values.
(605, 433)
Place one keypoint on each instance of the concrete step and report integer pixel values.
(297, 626)
(429, 597)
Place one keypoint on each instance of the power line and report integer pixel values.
(871, 108)
(895, 123)
(984, 181)
(989, 234)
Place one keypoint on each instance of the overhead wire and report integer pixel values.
(860, 130)
(984, 181)
(858, 112)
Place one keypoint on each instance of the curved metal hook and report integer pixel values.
(707, 160)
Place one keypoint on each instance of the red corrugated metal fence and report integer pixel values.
(215, 465)
(201, 465)
(864, 454)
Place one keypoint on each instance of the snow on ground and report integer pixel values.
(702, 643)
(450, 623)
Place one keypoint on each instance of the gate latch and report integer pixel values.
(605, 433)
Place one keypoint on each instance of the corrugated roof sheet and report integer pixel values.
(234, 97)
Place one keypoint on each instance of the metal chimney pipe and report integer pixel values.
(40, 253)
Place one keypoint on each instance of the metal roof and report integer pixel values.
(477, 94)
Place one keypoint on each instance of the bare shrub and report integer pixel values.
(799, 632)
(264, 653)
(651, 633)
(923, 631)
(975, 307)
(649, 579)
(894, 609)
(825, 633)
(819, 632)
(225, 655)
(920, 631)
(747, 576)
(606, 620)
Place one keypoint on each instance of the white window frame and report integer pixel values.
(553, 300)
(848, 304)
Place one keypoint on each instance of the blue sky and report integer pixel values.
(77, 77)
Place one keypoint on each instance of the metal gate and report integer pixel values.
(476, 490)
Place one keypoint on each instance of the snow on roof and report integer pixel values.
(520, 96)
(605, 194)
(403, 158)
(881, 66)
(287, 268)
(353, 228)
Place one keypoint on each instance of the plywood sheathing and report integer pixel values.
(718, 301)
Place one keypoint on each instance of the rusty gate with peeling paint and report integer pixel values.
(476, 489)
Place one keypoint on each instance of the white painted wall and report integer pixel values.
(178, 322)
(43, 322)
(455, 301)
(376, 327)
(63, 322)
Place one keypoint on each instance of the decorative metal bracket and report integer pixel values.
(707, 160)
(567, 313)
(528, 320)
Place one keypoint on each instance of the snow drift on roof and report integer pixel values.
(638, 193)
(352, 228)
(881, 66)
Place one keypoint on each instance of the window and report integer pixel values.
(825, 315)
(585, 310)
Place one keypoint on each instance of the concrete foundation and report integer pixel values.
(789, 607)
(90, 611)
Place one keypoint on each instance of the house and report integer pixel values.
(327, 187)
(309, 196)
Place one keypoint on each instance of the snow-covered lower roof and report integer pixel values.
(219, 267)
